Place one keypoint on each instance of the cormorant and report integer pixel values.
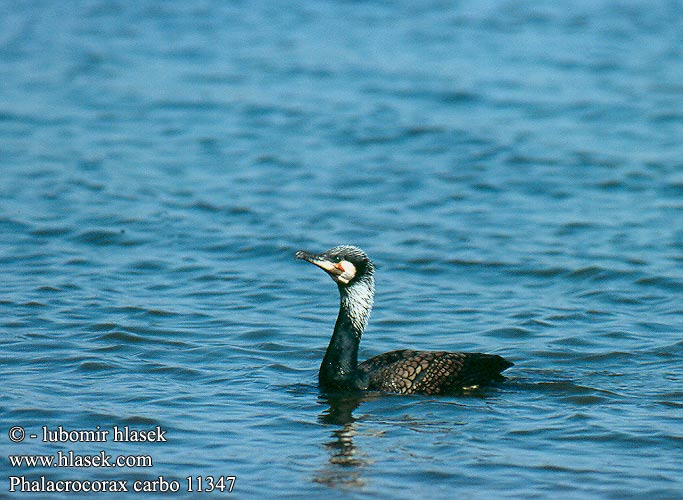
(404, 371)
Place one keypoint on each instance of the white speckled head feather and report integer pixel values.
(353, 271)
(358, 299)
(358, 293)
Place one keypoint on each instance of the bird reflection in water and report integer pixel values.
(346, 461)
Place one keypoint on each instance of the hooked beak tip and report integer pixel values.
(300, 254)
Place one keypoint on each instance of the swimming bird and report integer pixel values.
(403, 371)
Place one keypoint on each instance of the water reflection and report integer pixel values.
(346, 463)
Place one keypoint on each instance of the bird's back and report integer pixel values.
(430, 372)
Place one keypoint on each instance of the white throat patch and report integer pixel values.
(348, 274)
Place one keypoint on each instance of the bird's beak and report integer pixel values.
(332, 268)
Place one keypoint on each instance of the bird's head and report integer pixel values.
(345, 264)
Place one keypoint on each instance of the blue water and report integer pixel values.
(514, 169)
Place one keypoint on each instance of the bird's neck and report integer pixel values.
(340, 364)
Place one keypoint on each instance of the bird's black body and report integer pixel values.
(403, 371)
